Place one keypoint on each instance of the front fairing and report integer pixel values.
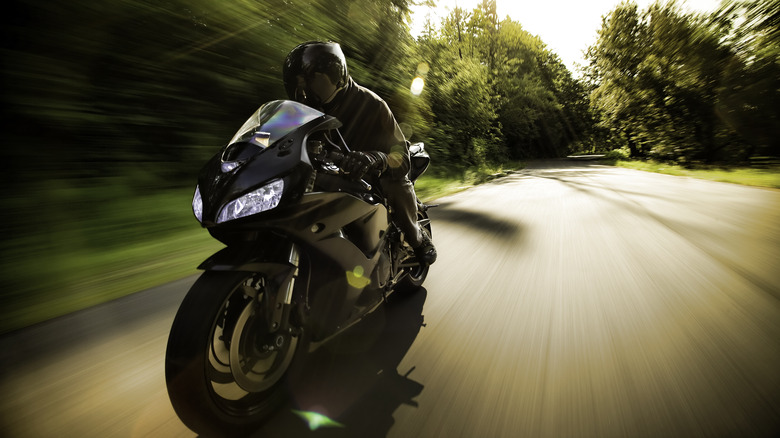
(269, 146)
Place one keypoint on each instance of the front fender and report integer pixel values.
(269, 259)
(280, 269)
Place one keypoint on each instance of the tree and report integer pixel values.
(747, 99)
(614, 68)
(688, 88)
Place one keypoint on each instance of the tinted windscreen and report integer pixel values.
(278, 118)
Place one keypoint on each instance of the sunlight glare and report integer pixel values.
(417, 85)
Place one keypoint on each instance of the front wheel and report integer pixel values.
(224, 368)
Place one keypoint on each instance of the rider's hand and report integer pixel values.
(358, 164)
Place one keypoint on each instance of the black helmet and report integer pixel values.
(314, 57)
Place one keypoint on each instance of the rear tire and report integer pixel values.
(222, 378)
(414, 281)
(417, 275)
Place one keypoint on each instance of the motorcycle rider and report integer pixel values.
(315, 73)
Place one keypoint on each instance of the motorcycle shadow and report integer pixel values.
(351, 386)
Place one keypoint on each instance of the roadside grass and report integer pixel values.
(66, 283)
(126, 244)
(768, 177)
(437, 183)
(133, 244)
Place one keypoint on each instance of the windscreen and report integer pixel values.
(277, 119)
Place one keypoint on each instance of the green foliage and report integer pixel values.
(764, 177)
(94, 245)
(620, 154)
(497, 92)
(688, 88)
(463, 104)
(441, 181)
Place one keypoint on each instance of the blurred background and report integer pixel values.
(110, 108)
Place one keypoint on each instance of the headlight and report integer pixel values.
(197, 205)
(262, 199)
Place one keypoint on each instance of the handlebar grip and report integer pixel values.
(338, 158)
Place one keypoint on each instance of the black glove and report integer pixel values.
(357, 164)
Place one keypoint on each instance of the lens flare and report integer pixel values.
(356, 279)
(316, 420)
(417, 85)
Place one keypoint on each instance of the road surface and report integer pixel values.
(569, 300)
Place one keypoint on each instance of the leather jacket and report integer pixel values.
(369, 125)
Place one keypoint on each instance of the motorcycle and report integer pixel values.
(309, 253)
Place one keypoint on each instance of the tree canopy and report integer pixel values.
(689, 88)
(496, 91)
(140, 92)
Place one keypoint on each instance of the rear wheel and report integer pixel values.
(419, 272)
(414, 281)
(225, 369)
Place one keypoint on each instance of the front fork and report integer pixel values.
(283, 302)
(280, 302)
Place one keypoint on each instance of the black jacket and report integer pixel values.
(369, 125)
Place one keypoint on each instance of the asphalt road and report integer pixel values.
(568, 300)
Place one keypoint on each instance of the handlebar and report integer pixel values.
(337, 158)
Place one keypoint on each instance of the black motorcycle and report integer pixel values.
(309, 253)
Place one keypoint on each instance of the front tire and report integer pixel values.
(225, 371)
